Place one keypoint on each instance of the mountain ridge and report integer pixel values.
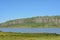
(33, 22)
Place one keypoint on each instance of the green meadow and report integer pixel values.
(28, 36)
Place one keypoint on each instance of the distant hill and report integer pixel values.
(34, 22)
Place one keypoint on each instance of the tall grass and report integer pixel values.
(29, 36)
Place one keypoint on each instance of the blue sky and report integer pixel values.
(15, 9)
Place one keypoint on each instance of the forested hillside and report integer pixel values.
(33, 22)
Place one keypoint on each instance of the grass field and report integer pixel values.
(28, 36)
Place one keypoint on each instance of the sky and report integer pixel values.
(16, 9)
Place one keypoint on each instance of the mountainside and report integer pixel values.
(34, 22)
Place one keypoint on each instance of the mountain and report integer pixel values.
(33, 22)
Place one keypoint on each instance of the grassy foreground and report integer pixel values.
(28, 36)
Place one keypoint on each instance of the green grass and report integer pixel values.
(28, 36)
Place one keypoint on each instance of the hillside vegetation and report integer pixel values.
(34, 22)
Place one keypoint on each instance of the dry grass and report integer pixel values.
(28, 38)
(10, 36)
